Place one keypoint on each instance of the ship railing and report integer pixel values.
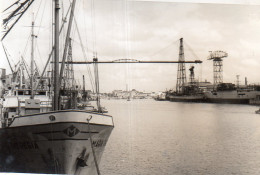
(46, 103)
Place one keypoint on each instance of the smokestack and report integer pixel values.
(245, 81)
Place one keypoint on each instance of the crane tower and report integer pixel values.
(217, 56)
(181, 74)
(192, 76)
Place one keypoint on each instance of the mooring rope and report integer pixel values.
(92, 147)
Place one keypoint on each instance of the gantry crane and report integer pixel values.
(217, 56)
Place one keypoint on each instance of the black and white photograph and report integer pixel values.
(130, 87)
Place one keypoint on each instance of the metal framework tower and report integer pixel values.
(192, 79)
(181, 74)
(69, 80)
(217, 56)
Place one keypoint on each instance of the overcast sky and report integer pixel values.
(149, 30)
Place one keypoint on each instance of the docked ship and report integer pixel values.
(191, 94)
(161, 96)
(187, 98)
(185, 92)
(42, 130)
(229, 93)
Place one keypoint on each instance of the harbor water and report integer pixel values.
(166, 138)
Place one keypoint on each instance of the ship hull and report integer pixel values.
(188, 98)
(160, 99)
(54, 143)
(231, 97)
(228, 101)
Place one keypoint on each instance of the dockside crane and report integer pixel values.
(192, 76)
(217, 57)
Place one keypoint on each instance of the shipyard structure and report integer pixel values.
(216, 92)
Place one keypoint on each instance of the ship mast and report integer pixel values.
(84, 97)
(32, 59)
(97, 83)
(56, 57)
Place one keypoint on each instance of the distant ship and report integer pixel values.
(228, 93)
(185, 92)
(160, 97)
(190, 94)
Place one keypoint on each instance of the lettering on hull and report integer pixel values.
(29, 145)
(99, 143)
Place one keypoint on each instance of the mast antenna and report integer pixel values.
(32, 58)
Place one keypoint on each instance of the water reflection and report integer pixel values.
(152, 137)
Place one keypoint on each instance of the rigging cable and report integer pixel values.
(84, 53)
(41, 18)
(26, 66)
(192, 51)
(11, 5)
(37, 48)
(164, 48)
(26, 46)
(38, 9)
(7, 58)
(49, 57)
(95, 58)
(87, 48)
(36, 42)
(92, 147)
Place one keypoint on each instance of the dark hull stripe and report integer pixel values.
(63, 139)
(229, 101)
(94, 132)
(12, 127)
(187, 100)
(47, 132)
(51, 132)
